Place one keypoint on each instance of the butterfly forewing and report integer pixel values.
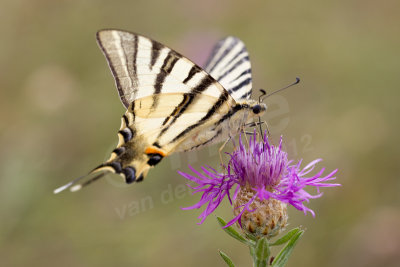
(229, 64)
(142, 67)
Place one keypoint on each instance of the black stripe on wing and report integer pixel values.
(240, 85)
(234, 67)
(114, 72)
(218, 133)
(166, 69)
(225, 46)
(155, 53)
(221, 100)
(192, 72)
(188, 99)
(229, 64)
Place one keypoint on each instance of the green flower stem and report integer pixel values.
(261, 253)
(260, 248)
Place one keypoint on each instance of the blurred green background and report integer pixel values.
(60, 113)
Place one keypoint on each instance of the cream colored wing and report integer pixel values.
(229, 64)
(170, 101)
(143, 67)
(149, 133)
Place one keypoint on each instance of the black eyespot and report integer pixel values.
(256, 109)
(154, 159)
(130, 174)
(140, 178)
(127, 134)
(119, 150)
(116, 166)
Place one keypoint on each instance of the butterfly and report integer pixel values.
(172, 104)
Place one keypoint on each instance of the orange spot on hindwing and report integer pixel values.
(154, 150)
(155, 155)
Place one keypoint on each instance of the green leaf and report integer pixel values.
(233, 233)
(284, 255)
(286, 237)
(226, 258)
(262, 249)
(251, 237)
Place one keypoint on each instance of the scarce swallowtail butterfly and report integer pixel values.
(172, 104)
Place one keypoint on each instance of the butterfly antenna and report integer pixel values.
(263, 93)
(286, 87)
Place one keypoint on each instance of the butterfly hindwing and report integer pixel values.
(149, 133)
(179, 117)
(229, 64)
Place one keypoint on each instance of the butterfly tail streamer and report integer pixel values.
(82, 181)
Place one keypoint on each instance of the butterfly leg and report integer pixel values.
(246, 133)
(258, 123)
(220, 150)
(254, 123)
(266, 126)
(252, 133)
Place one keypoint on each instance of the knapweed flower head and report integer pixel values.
(263, 182)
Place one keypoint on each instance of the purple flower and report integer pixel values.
(262, 169)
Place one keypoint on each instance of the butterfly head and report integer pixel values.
(257, 109)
